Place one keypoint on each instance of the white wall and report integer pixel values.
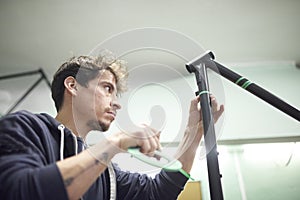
(165, 104)
(246, 116)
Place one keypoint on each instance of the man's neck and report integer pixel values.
(67, 119)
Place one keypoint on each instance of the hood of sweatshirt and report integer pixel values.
(69, 143)
(24, 131)
(40, 140)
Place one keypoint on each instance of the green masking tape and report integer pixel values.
(246, 84)
(173, 165)
(241, 78)
(203, 92)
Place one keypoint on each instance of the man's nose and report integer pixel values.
(115, 105)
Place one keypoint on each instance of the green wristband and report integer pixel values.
(186, 174)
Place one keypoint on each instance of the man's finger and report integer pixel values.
(194, 104)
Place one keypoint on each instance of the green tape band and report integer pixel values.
(172, 165)
(204, 92)
(241, 78)
(246, 84)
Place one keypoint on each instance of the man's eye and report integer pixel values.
(108, 88)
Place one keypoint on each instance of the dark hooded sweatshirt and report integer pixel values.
(30, 146)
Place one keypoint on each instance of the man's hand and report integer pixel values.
(194, 132)
(147, 139)
(195, 117)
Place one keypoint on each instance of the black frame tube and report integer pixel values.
(258, 91)
(214, 176)
(20, 74)
(24, 95)
(198, 66)
(39, 71)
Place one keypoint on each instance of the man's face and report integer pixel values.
(98, 102)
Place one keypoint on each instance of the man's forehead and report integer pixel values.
(107, 76)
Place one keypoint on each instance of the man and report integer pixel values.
(42, 157)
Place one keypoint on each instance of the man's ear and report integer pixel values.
(71, 85)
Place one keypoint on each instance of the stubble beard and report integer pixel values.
(97, 125)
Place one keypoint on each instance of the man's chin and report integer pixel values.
(104, 127)
(100, 126)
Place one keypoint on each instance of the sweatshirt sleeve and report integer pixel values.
(165, 185)
(25, 169)
(21, 179)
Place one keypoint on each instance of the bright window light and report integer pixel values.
(280, 153)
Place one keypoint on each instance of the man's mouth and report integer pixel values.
(112, 114)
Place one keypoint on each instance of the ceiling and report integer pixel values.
(157, 38)
(44, 34)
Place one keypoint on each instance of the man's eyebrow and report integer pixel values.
(109, 83)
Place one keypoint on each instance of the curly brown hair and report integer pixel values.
(86, 68)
